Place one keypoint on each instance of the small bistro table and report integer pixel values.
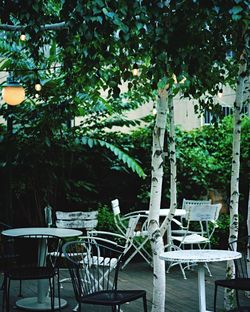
(200, 256)
(41, 302)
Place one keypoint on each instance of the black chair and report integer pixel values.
(33, 263)
(94, 265)
(241, 280)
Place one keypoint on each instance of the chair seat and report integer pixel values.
(30, 273)
(191, 239)
(111, 297)
(238, 283)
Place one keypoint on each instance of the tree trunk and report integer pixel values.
(234, 194)
(172, 157)
(155, 203)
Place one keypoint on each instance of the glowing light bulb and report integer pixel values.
(135, 70)
(22, 37)
(38, 87)
(36, 95)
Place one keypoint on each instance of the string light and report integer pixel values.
(38, 86)
(22, 37)
(36, 95)
(135, 70)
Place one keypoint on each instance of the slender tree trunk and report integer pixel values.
(155, 203)
(234, 194)
(173, 169)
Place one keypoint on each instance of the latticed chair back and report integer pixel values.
(241, 245)
(34, 262)
(93, 265)
(239, 281)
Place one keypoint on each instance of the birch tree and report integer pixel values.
(155, 201)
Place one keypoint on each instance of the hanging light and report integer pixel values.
(38, 86)
(220, 93)
(22, 36)
(13, 93)
(135, 70)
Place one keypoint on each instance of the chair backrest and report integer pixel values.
(77, 219)
(93, 265)
(206, 215)
(7, 253)
(204, 212)
(32, 250)
(194, 202)
(115, 207)
(241, 245)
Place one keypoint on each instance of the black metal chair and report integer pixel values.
(241, 280)
(33, 263)
(94, 265)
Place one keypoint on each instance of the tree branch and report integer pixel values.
(55, 26)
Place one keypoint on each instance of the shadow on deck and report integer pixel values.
(181, 295)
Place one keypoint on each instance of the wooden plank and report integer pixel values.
(181, 295)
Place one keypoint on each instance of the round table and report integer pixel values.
(200, 256)
(41, 302)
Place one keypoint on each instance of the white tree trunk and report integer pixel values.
(155, 203)
(173, 169)
(234, 193)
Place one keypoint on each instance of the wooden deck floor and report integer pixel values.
(181, 295)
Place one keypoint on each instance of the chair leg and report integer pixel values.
(145, 303)
(20, 289)
(215, 297)
(237, 299)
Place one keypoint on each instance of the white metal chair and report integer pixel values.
(205, 217)
(140, 236)
(187, 203)
(85, 220)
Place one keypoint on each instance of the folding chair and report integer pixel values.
(205, 217)
(140, 237)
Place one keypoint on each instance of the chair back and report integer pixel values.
(33, 250)
(115, 207)
(7, 250)
(205, 214)
(93, 264)
(241, 245)
(193, 202)
(77, 219)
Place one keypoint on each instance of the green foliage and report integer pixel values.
(106, 219)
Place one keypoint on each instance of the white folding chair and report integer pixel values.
(205, 217)
(187, 203)
(140, 236)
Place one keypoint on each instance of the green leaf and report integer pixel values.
(125, 158)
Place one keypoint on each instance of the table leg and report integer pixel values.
(201, 288)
